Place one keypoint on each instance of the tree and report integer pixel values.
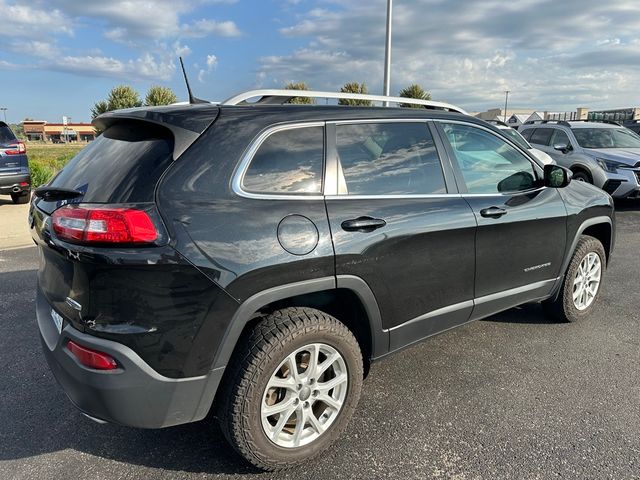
(414, 91)
(122, 96)
(354, 87)
(157, 95)
(299, 100)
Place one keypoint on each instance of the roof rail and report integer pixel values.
(593, 120)
(279, 97)
(495, 121)
(558, 122)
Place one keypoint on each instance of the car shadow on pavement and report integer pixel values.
(530, 314)
(627, 205)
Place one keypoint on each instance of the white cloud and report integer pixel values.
(212, 63)
(29, 21)
(206, 28)
(146, 67)
(468, 52)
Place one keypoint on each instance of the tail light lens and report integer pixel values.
(92, 358)
(16, 149)
(103, 224)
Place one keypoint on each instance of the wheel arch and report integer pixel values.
(600, 227)
(334, 292)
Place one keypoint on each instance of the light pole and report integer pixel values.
(4, 110)
(506, 102)
(387, 52)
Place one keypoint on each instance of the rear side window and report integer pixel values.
(6, 135)
(121, 165)
(389, 159)
(288, 162)
(542, 136)
(527, 134)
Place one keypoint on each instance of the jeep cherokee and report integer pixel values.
(252, 259)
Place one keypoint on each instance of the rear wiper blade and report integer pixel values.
(53, 194)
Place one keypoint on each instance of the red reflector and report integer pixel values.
(17, 149)
(24, 184)
(91, 358)
(84, 224)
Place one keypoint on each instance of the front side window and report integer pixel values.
(560, 138)
(488, 163)
(288, 162)
(606, 138)
(542, 136)
(389, 159)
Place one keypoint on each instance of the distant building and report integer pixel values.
(498, 114)
(58, 132)
(517, 119)
(618, 115)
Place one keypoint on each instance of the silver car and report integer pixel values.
(602, 153)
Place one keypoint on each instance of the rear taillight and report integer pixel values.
(92, 358)
(16, 149)
(103, 224)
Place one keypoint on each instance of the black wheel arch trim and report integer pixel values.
(590, 222)
(247, 309)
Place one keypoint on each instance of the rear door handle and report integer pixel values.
(493, 212)
(363, 224)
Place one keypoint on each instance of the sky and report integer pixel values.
(59, 57)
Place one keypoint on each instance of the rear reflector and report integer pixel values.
(91, 358)
(103, 224)
(16, 149)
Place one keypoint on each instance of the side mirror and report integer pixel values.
(562, 147)
(556, 176)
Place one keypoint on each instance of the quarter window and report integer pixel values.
(389, 159)
(488, 163)
(288, 162)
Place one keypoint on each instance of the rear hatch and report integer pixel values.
(118, 170)
(12, 157)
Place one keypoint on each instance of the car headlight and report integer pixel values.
(610, 165)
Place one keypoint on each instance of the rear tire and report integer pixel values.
(581, 284)
(21, 198)
(290, 436)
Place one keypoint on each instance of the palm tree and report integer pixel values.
(414, 91)
(354, 87)
(299, 100)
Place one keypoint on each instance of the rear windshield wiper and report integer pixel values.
(53, 194)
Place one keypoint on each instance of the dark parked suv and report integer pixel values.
(15, 179)
(252, 259)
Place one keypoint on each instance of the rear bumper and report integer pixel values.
(11, 183)
(134, 394)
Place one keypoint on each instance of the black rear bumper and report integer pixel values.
(134, 394)
(11, 183)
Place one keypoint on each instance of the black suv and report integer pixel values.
(252, 260)
(15, 179)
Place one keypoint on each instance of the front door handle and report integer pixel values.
(493, 212)
(363, 224)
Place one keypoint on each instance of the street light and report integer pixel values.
(4, 110)
(506, 101)
(387, 52)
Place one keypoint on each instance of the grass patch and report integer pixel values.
(45, 160)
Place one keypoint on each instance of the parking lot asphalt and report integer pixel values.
(14, 231)
(513, 396)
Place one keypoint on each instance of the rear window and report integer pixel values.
(121, 165)
(6, 135)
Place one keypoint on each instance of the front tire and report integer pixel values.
(581, 284)
(293, 384)
(581, 176)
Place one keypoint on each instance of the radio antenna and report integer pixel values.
(192, 99)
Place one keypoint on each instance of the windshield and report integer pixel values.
(606, 138)
(516, 137)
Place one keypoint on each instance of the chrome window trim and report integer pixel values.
(247, 157)
(356, 121)
(392, 196)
